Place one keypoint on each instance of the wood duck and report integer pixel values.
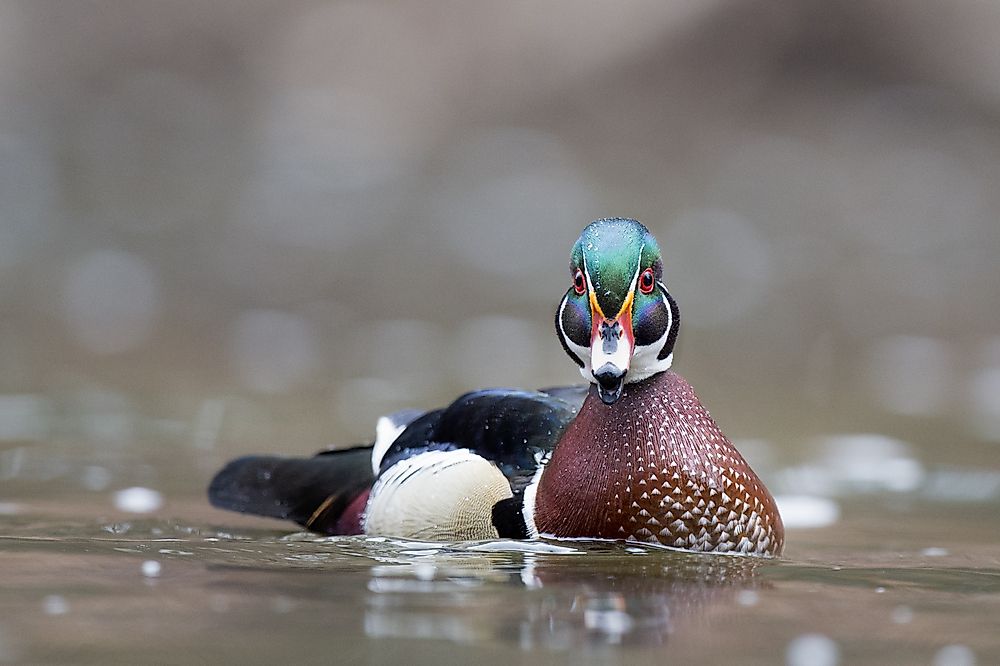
(634, 456)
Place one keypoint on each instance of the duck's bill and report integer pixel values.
(610, 382)
(611, 346)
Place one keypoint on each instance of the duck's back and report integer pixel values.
(448, 474)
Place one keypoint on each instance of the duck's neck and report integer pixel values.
(654, 467)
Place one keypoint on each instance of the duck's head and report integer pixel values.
(617, 321)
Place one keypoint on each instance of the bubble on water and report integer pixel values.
(812, 650)
(55, 604)
(151, 568)
(955, 655)
(110, 301)
(934, 551)
(274, 351)
(138, 500)
(95, 478)
(807, 511)
(748, 598)
(912, 375)
(902, 615)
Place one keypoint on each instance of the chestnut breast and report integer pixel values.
(654, 467)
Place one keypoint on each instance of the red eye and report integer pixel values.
(579, 283)
(646, 281)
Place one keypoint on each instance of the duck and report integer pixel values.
(633, 455)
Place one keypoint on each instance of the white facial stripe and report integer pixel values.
(386, 433)
(582, 353)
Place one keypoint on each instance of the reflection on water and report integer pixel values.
(606, 595)
(154, 591)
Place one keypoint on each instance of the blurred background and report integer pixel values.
(238, 227)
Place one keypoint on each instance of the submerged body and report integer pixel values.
(636, 457)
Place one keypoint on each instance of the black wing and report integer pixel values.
(513, 429)
(516, 430)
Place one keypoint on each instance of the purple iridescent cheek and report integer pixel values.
(576, 321)
(650, 319)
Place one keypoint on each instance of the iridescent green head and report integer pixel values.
(617, 321)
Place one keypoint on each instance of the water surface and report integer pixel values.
(907, 586)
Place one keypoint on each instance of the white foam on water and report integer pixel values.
(812, 650)
(138, 500)
(807, 511)
(151, 568)
(522, 547)
(55, 604)
(955, 655)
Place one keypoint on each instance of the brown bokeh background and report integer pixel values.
(251, 226)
